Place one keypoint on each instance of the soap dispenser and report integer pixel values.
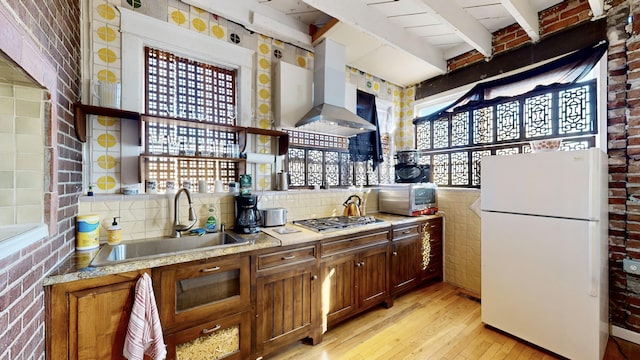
(211, 224)
(114, 233)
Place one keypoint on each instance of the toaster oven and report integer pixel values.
(412, 199)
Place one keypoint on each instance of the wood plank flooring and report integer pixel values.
(434, 322)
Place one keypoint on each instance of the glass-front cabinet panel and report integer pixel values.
(190, 293)
(207, 289)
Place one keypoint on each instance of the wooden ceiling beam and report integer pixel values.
(525, 15)
(362, 17)
(463, 24)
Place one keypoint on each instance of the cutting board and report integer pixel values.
(292, 234)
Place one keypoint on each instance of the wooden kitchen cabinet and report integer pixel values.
(406, 258)
(287, 298)
(353, 273)
(88, 319)
(431, 250)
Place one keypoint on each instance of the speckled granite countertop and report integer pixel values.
(75, 266)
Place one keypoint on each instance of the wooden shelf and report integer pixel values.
(81, 111)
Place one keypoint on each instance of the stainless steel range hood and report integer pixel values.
(329, 114)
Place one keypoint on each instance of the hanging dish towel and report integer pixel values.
(144, 334)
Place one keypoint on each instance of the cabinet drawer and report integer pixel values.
(332, 247)
(188, 293)
(288, 257)
(433, 226)
(405, 232)
(226, 338)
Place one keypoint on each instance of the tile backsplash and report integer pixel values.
(148, 216)
(22, 150)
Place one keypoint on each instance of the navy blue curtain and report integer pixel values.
(565, 70)
(367, 146)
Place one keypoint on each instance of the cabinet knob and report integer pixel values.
(395, 253)
(288, 257)
(314, 277)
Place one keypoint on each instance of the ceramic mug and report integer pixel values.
(107, 93)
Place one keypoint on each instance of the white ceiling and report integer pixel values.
(401, 41)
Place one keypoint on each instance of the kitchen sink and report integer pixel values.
(150, 248)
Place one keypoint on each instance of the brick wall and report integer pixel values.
(44, 38)
(556, 18)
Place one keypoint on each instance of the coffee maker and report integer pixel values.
(247, 214)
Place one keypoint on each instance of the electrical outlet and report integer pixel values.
(631, 266)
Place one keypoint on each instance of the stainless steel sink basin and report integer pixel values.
(145, 249)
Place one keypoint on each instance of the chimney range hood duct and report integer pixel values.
(329, 115)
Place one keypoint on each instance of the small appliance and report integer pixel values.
(412, 173)
(274, 217)
(413, 199)
(247, 214)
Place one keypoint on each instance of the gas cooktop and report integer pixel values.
(335, 222)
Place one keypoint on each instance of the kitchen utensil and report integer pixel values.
(274, 216)
(363, 203)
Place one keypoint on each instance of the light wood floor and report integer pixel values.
(434, 322)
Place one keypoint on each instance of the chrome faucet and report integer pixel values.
(177, 227)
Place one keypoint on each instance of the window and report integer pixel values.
(319, 159)
(454, 143)
(185, 89)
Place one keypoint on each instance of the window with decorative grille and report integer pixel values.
(319, 159)
(454, 143)
(197, 93)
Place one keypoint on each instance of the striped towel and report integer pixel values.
(144, 335)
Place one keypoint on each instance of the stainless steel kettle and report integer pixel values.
(282, 181)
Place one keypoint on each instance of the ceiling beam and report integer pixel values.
(463, 24)
(259, 18)
(362, 17)
(597, 7)
(525, 15)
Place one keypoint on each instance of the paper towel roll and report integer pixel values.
(260, 158)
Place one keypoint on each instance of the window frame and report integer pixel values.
(519, 145)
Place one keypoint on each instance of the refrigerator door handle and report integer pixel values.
(592, 255)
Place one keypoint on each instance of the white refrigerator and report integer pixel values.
(544, 251)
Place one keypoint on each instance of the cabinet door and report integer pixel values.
(405, 264)
(227, 338)
(372, 277)
(431, 250)
(338, 278)
(286, 307)
(189, 293)
(89, 318)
